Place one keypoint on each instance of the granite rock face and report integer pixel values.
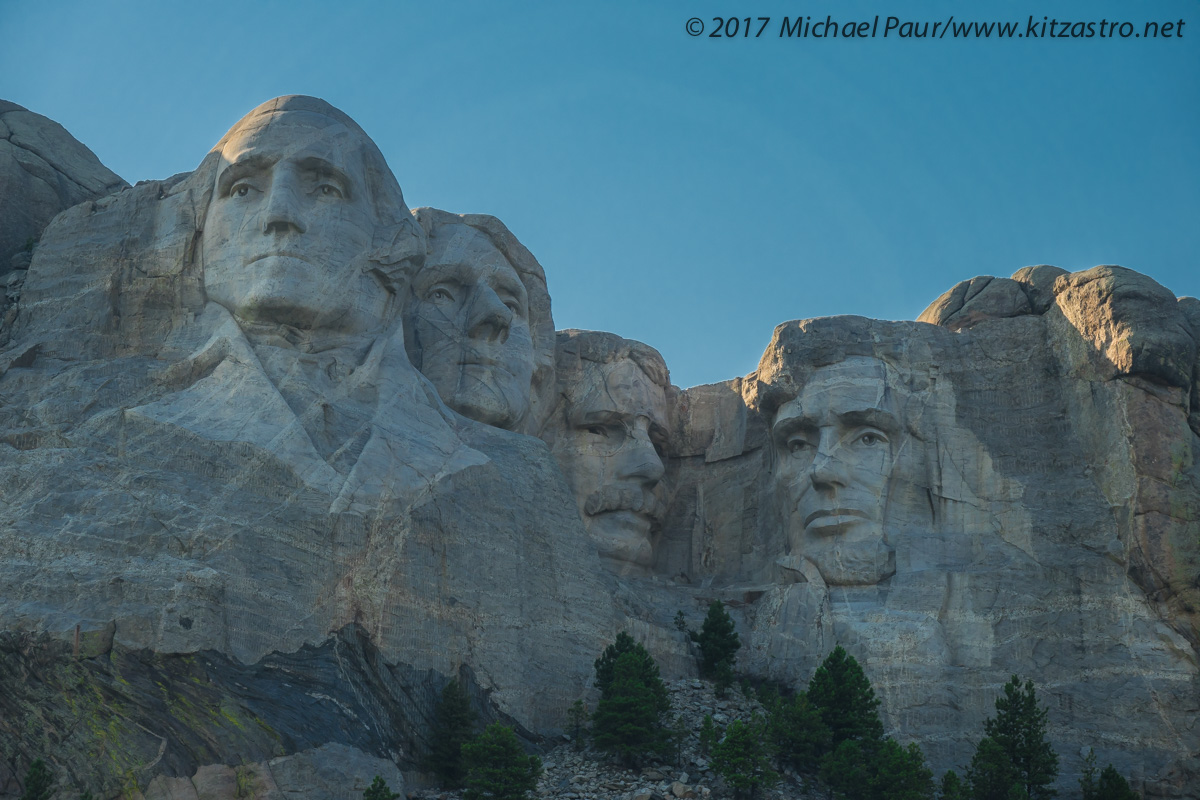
(43, 170)
(266, 486)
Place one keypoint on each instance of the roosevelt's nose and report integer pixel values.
(488, 318)
(639, 460)
(282, 213)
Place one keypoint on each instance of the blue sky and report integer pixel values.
(690, 192)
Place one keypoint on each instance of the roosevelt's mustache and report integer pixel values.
(624, 498)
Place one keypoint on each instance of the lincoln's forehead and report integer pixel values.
(855, 385)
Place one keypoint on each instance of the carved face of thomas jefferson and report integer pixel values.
(835, 446)
(290, 225)
(468, 327)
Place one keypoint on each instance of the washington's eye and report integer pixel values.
(329, 190)
(239, 190)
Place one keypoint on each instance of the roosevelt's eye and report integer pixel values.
(598, 430)
(330, 191)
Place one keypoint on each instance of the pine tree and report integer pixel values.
(742, 758)
(646, 667)
(1110, 786)
(842, 695)
(577, 717)
(708, 735)
(379, 790)
(953, 787)
(497, 768)
(900, 773)
(846, 771)
(800, 736)
(1017, 752)
(38, 782)
(718, 640)
(627, 721)
(453, 726)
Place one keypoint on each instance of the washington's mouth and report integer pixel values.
(834, 513)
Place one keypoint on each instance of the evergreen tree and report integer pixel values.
(846, 771)
(453, 726)
(742, 758)
(718, 640)
(843, 696)
(708, 735)
(38, 782)
(953, 787)
(497, 768)
(379, 790)
(1014, 751)
(627, 721)
(900, 773)
(1110, 786)
(577, 717)
(646, 667)
(799, 734)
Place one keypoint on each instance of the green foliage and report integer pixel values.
(845, 770)
(742, 758)
(497, 768)
(38, 782)
(453, 727)
(718, 640)
(681, 622)
(708, 735)
(900, 773)
(379, 790)
(953, 787)
(627, 721)
(646, 667)
(842, 695)
(799, 734)
(1014, 753)
(1110, 786)
(577, 717)
(722, 678)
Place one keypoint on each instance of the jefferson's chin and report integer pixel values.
(843, 563)
(622, 536)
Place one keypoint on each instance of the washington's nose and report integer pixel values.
(282, 213)
(489, 318)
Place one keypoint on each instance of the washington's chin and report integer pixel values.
(490, 404)
(622, 536)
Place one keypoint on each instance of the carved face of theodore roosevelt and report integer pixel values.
(290, 225)
(835, 446)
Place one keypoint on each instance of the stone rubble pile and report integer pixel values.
(571, 774)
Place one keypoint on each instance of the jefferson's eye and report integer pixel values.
(329, 190)
(440, 295)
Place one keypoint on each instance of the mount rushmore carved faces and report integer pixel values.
(299, 195)
(475, 318)
(835, 447)
(608, 435)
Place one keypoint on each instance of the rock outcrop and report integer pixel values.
(245, 540)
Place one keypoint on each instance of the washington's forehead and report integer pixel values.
(280, 135)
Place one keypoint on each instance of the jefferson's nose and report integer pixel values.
(489, 318)
(282, 212)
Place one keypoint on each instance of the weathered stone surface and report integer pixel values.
(43, 170)
(244, 541)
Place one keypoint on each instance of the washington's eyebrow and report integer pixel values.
(244, 166)
(324, 168)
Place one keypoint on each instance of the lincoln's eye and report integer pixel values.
(440, 295)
